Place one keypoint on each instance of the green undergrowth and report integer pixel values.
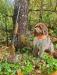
(51, 64)
(27, 64)
(7, 68)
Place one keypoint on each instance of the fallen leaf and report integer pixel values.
(54, 73)
(19, 72)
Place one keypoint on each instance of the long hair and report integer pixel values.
(43, 28)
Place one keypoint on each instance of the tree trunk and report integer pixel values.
(20, 23)
(23, 16)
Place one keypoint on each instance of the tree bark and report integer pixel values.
(20, 23)
(23, 17)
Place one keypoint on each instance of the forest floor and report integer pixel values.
(25, 63)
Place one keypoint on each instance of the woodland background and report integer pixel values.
(23, 20)
(38, 11)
